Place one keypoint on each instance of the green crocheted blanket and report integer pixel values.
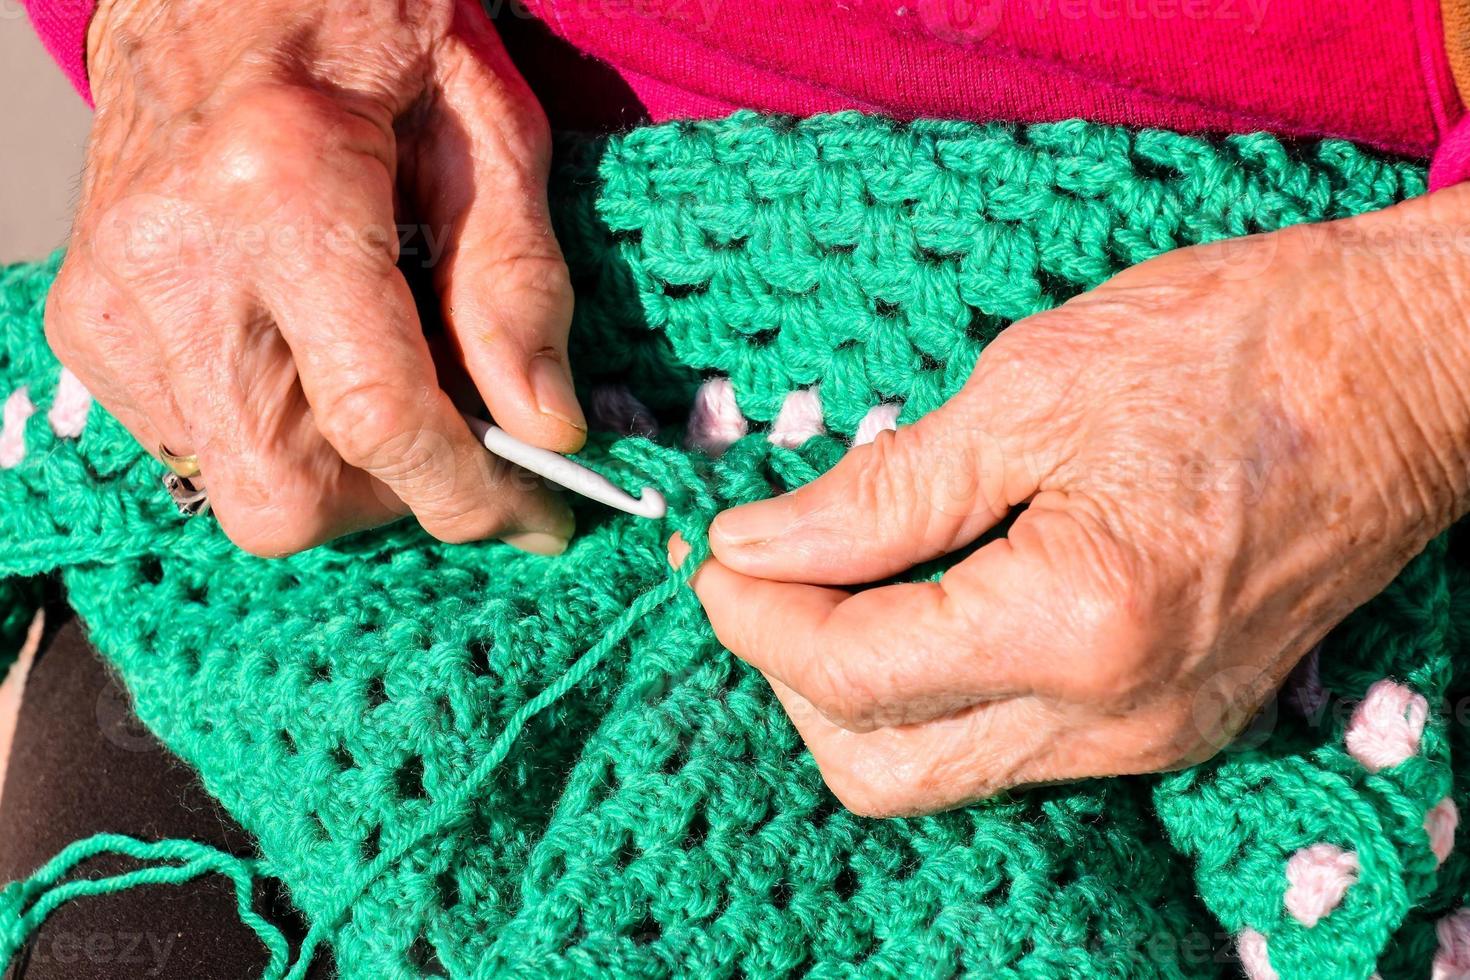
(471, 761)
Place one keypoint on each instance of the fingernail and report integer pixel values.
(678, 551)
(537, 543)
(553, 390)
(551, 537)
(763, 520)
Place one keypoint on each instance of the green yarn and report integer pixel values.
(875, 259)
(466, 760)
(450, 808)
(24, 905)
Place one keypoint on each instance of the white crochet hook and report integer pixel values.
(567, 473)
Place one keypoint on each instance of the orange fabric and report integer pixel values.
(1456, 17)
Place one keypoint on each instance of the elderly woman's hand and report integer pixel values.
(231, 288)
(1222, 452)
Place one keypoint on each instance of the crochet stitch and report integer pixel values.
(470, 761)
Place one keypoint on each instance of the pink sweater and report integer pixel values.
(1374, 72)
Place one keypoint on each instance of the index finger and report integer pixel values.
(367, 372)
(889, 656)
(1036, 613)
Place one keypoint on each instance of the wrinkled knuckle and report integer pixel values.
(365, 423)
(527, 249)
(144, 237)
(1118, 679)
(541, 283)
(464, 521)
(542, 270)
(1175, 741)
(842, 698)
(373, 247)
(237, 158)
(1114, 675)
(262, 138)
(881, 484)
(1118, 664)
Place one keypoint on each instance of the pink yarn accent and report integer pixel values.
(18, 409)
(1440, 824)
(615, 409)
(1452, 962)
(1250, 946)
(880, 418)
(1318, 877)
(1385, 729)
(68, 415)
(800, 419)
(715, 421)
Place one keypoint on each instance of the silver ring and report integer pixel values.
(188, 494)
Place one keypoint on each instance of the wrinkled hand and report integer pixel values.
(1221, 452)
(231, 289)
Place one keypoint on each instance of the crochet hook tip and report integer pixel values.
(651, 504)
(567, 473)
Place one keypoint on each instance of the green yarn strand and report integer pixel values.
(25, 905)
(451, 808)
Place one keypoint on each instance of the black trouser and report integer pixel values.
(82, 764)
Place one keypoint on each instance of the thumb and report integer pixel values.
(480, 165)
(908, 496)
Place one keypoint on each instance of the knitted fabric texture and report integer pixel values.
(470, 761)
